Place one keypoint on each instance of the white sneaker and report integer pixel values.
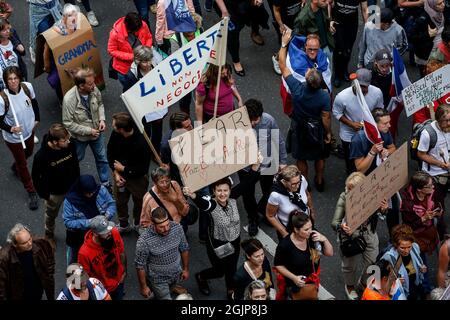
(36, 140)
(32, 55)
(352, 295)
(92, 18)
(276, 65)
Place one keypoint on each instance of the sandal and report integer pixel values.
(240, 73)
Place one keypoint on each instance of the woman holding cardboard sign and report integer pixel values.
(224, 230)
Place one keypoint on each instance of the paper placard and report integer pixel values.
(426, 90)
(215, 150)
(388, 178)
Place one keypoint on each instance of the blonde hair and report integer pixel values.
(353, 180)
(289, 172)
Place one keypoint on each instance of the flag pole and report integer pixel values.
(219, 59)
(157, 157)
(16, 121)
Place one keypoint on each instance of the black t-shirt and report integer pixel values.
(346, 11)
(289, 9)
(295, 260)
(33, 286)
(242, 279)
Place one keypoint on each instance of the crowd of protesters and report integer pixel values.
(316, 39)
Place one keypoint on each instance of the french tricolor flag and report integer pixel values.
(370, 126)
(400, 81)
(298, 63)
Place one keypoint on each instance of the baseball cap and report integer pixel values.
(100, 225)
(383, 56)
(364, 76)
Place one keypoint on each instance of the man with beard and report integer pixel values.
(162, 256)
(103, 256)
(433, 151)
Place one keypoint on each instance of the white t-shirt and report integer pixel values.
(346, 104)
(442, 144)
(285, 206)
(99, 289)
(8, 58)
(24, 112)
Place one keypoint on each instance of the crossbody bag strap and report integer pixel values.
(249, 271)
(159, 202)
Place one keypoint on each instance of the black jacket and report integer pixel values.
(384, 84)
(133, 152)
(420, 38)
(54, 171)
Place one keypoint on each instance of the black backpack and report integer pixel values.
(415, 137)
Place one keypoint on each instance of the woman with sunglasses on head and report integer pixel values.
(224, 229)
(289, 193)
(297, 258)
(256, 267)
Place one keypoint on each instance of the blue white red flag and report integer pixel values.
(400, 81)
(370, 126)
(298, 63)
(178, 16)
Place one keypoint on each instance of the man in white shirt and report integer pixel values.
(434, 153)
(347, 110)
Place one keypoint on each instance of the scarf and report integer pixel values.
(435, 16)
(76, 197)
(418, 208)
(294, 197)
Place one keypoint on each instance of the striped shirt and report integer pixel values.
(160, 255)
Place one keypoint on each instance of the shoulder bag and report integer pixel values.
(352, 246)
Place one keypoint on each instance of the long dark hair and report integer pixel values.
(209, 78)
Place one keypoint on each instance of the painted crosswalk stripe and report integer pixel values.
(270, 247)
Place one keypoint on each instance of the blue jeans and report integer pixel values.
(37, 13)
(118, 293)
(162, 289)
(142, 7)
(72, 255)
(99, 151)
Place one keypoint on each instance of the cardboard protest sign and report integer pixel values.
(426, 90)
(78, 49)
(177, 75)
(215, 150)
(364, 199)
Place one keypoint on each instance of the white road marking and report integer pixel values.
(271, 246)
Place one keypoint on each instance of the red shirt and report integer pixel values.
(424, 114)
(103, 264)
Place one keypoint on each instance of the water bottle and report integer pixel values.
(318, 246)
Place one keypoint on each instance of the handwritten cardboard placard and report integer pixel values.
(71, 51)
(215, 150)
(364, 199)
(426, 90)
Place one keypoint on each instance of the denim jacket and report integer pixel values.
(75, 219)
(392, 256)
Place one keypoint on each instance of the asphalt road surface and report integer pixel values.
(260, 82)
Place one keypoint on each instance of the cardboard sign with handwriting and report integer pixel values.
(78, 49)
(426, 90)
(364, 199)
(215, 150)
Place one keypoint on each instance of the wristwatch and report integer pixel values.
(284, 45)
